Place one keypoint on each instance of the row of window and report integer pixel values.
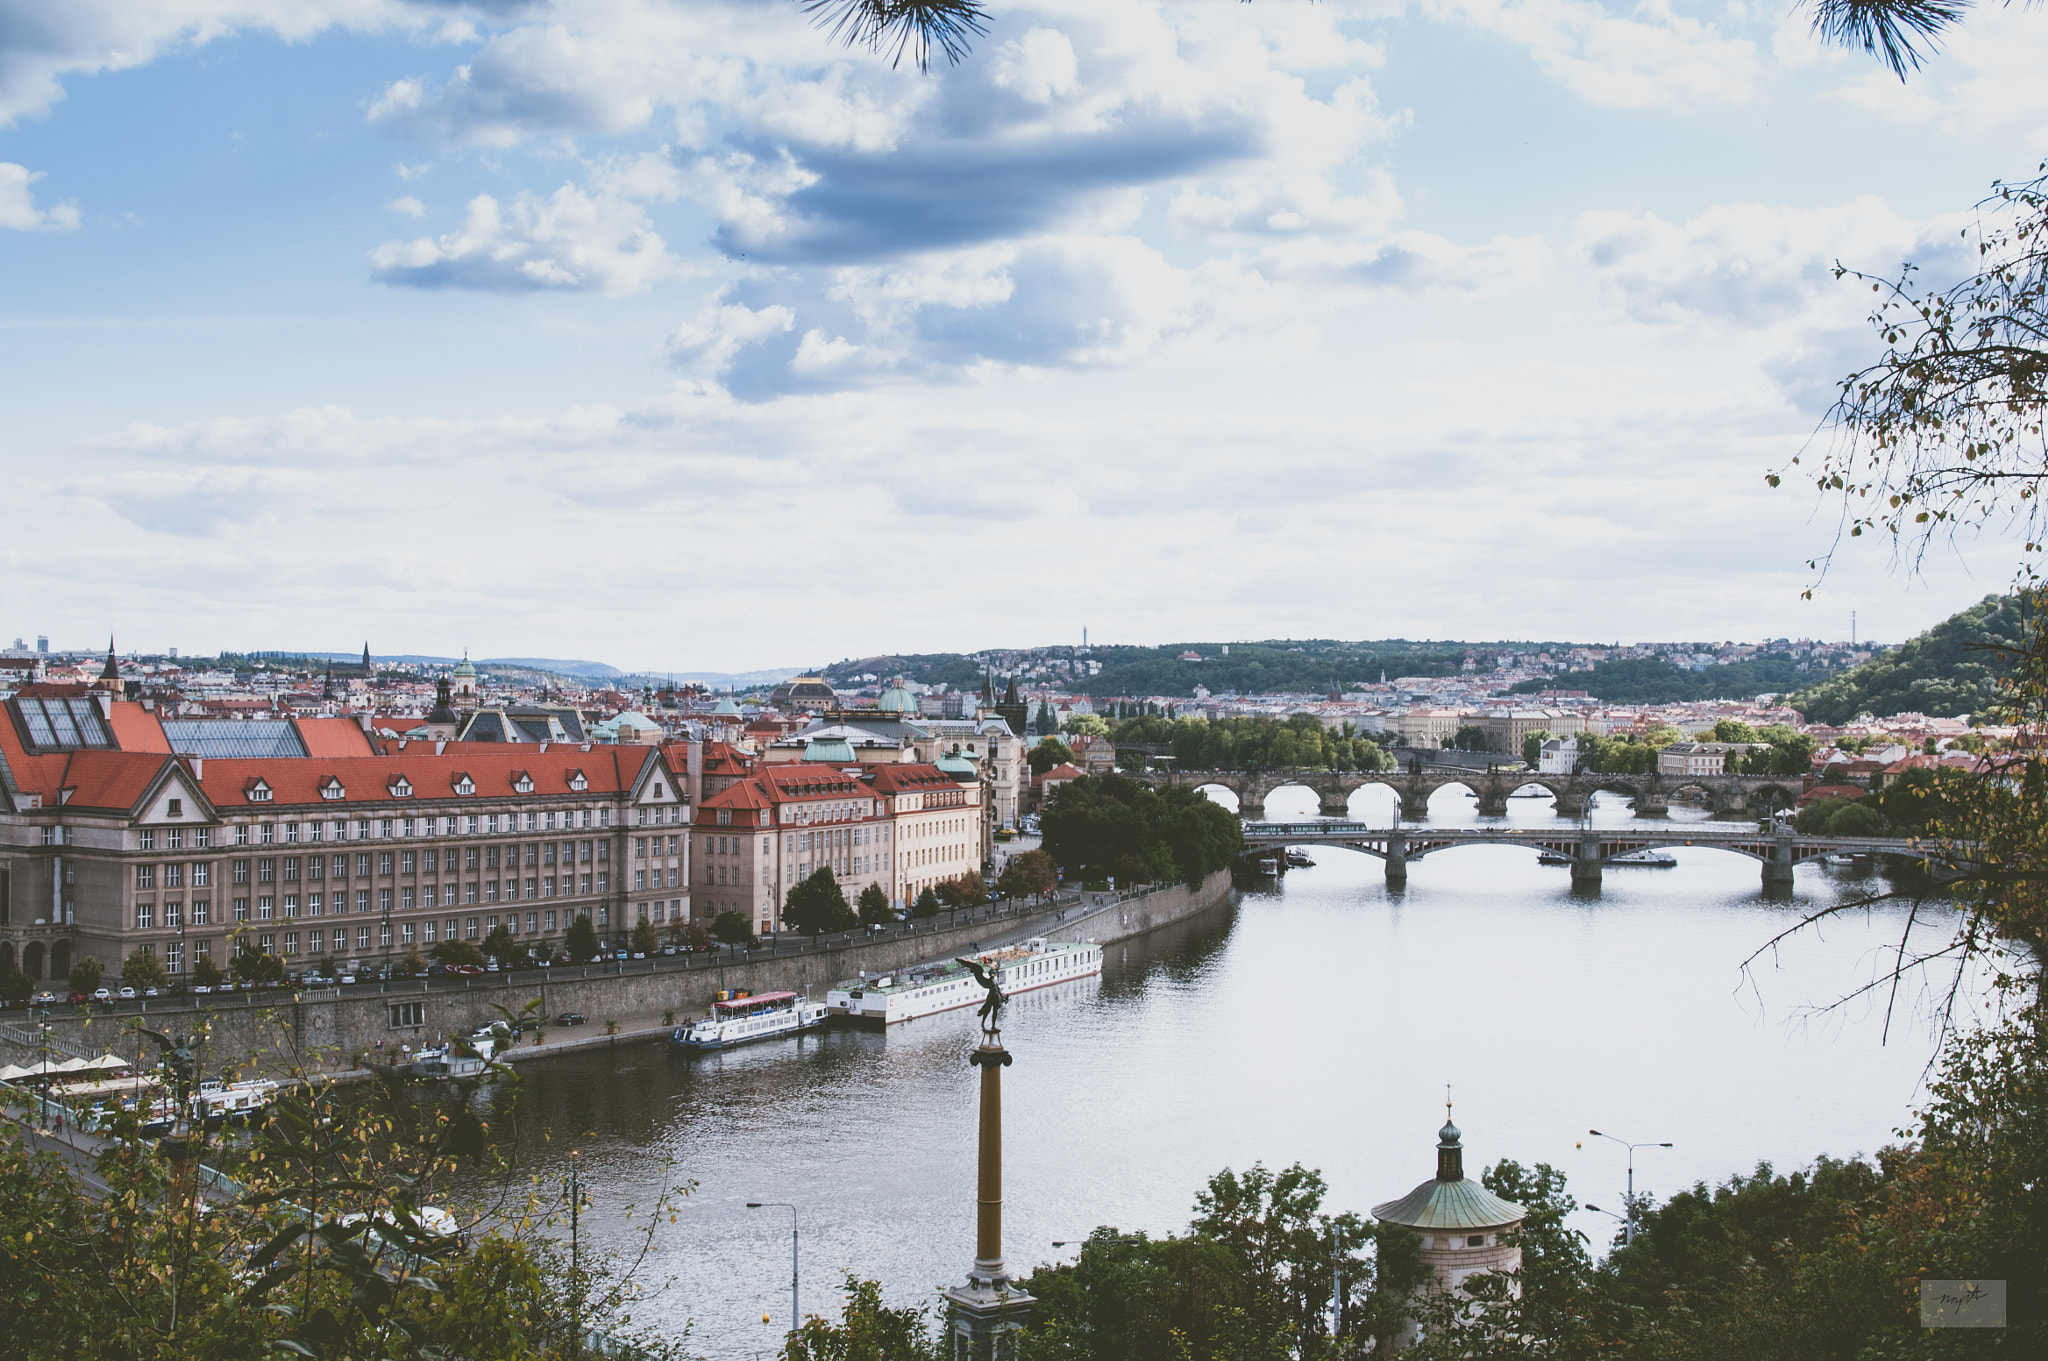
(672, 879)
(268, 907)
(267, 869)
(269, 833)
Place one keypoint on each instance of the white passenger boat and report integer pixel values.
(1651, 859)
(926, 989)
(742, 1020)
(233, 1103)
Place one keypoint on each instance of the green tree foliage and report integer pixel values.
(206, 973)
(1087, 725)
(1532, 746)
(1469, 737)
(732, 928)
(1049, 752)
(867, 1330)
(85, 974)
(1111, 825)
(645, 941)
(818, 904)
(1954, 668)
(457, 953)
(1026, 875)
(499, 945)
(581, 940)
(1842, 817)
(143, 970)
(966, 890)
(15, 986)
(1258, 743)
(873, 906)
(927, 906)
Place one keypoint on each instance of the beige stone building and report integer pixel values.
(1461, 1224)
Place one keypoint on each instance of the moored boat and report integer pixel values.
(742, 1020)
(1643, 859)
(945, 985)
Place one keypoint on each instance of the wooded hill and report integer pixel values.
(1951, 670)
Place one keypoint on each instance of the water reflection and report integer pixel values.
(1316, 1019)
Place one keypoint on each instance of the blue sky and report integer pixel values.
(670, 334)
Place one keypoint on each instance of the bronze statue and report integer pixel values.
(992, 1005)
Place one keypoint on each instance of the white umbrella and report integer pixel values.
(110, 1061)
(10, 1073)
(72, 1066)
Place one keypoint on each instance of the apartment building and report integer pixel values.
(123, 832)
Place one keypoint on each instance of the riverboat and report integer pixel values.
(219, 1103)
(946, 985)
(742, 1020)
(1644, 859)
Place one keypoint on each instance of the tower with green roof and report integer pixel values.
(1463, 1226)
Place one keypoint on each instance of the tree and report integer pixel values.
(413, 965)
(732, 928)
(581, 940)
(966, 890)
(15, 986)
(457, 953)
(644, 939)
(1027, 875)
(818, 904)
(206, 973)
(1087, 725)
(927, 905)
(85, 974)
(499, 945)
(1049, 752)
(1104, 825)
(874, 906)
(1532, 747)
(693, 936)
(142, 969)
(1469, 737)
(868, 1330)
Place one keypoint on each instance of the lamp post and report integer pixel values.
(1629, 1235)
(794, 1316)
(575, 1268)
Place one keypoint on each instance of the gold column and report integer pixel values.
(988, 1223)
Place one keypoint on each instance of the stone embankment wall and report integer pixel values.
(319, 1030)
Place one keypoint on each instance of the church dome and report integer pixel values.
(464, 668)
(1448, 1200)
(727, 708)
(897, 700)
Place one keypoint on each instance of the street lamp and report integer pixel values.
(1630, 1234)
(794, 1316)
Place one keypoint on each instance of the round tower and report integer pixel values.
(1462, 1224)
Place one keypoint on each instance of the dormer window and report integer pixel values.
(332, 788)
(256, 791)
(659, 792)
(175, 809)
(400, 787)
(463, 784)
(577, 781)
(725, 817)
(522, 783)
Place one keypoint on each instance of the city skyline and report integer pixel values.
(610, 331)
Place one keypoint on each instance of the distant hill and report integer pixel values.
(1307, 665)
(1651, 680)
(1951, 670)
(589, 670)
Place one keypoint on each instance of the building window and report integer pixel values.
(174, 956)
(267, 943)
(405, 900)
(266, 871)
(148, 841)
(291, 905)
(427, 932)
(428, 896)
(174, 916)
(241, 834)
(586, 883)
(362, 900)
(469, 892)
(405, 933)
(291, 942)
(202, 912)
(490, 890)
(551, 921)
(362, 937)
(145, 876)
(316, 905)
(384, 862)
(430, 862)
(405, 862)
(202, 874)
(241, 909)
(145, 916)
(533, 888)
(469, 928)
(408, 1015)
(266, 908)
(602, 878)
(384, 934)
(639, 879)
(383, 900)
(547, 886)
(266, 833)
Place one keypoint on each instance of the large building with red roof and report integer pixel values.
(122, 830)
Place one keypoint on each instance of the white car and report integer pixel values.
(128, 994)
(202, 988)
(102, 994)
(346, 978)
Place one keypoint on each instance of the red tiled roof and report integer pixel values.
(1065, 770)
(1832, 791)
(331, 737)
(136, 728)
(912, 775)
(368, 779)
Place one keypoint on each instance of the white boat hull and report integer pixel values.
(953, 987)
(707, 1036)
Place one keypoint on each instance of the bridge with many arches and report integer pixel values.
(1588, 848)
(1414, 784)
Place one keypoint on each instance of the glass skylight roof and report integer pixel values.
(64, 724)
(228, 739)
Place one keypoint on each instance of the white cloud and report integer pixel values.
(408, 205)
(1752, 265)
(595, 239)
(43, 41)
(1653, 57)
(18, 211)
(721, 330)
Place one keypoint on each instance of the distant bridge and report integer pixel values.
(1588, 847)
(1414, 783)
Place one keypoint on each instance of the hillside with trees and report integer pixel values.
(1651, 680)
(1952, 669)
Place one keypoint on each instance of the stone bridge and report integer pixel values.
(1726, 795)
(1589, 848)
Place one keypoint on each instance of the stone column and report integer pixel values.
(1251, 808)
(1414, 801)
(986, 1313)
(1334, 805)
(1397, 857)
(1493, 799)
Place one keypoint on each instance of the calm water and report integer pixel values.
(1316, 1022)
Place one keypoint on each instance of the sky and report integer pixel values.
(669, 333)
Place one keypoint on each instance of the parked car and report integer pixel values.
(128, 994)
(45, 998)
(201, 989)
(570, 1018)
(151, 992)
(636, 955)
(347, 978)
(98, 995)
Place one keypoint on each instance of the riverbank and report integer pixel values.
(334, 1032)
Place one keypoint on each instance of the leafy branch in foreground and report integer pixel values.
(901, 28)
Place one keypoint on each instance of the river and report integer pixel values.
(1317, 1020)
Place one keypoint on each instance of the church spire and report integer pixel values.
(110, 671)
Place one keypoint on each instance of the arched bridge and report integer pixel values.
(1588, 847)
(1413, 785)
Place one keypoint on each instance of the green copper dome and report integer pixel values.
(897, 700)
(463, 667)
(833, 751)
(727, 707)
(957, 765)
(1448, 1200)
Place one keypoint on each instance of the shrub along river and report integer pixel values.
(1316, 1019)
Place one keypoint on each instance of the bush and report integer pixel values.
(644, 940)
(818, 905)
(456, 953)
(927, 905)
(874, 906)
(142, 970)
(732, 928)
(581, 942)
(86, 974)
(206, 973)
